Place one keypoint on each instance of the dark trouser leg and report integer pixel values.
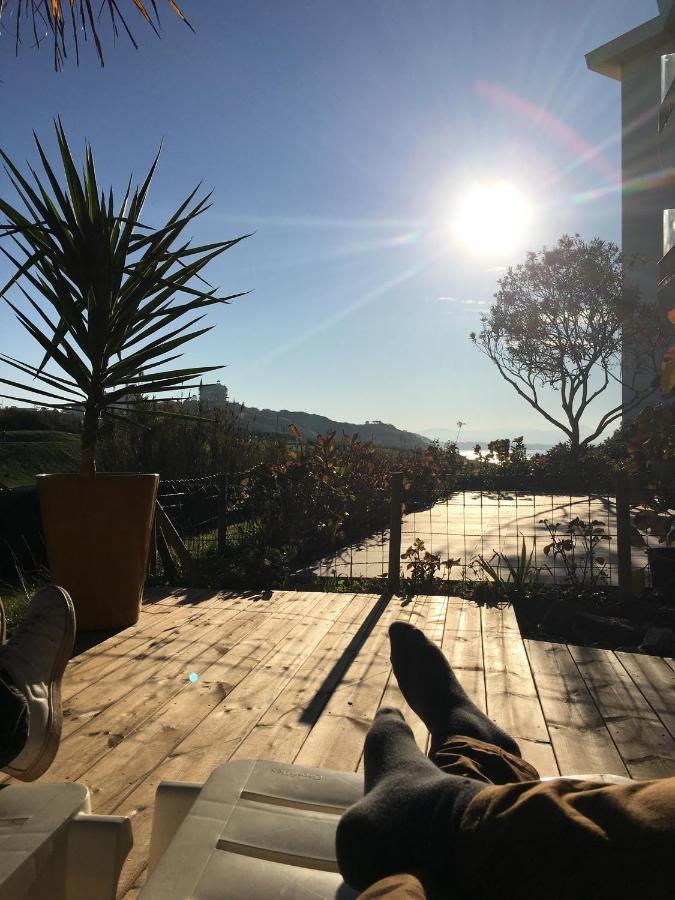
(13, 721)
(472, 758)
(569, 840)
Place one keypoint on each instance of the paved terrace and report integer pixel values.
(477, 522)
(297, 677)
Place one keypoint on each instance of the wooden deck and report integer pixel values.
(297, 677)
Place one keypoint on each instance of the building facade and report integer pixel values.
(212, 396)
(639, 60)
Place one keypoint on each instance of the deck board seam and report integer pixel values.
(604, 718)
(541, 705)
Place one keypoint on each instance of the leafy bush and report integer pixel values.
(652, 448)
(574, 544)
(506, 465)
(421, 565)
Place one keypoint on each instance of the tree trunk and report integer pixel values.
(89, 435)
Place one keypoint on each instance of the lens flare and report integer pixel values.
(491, 218)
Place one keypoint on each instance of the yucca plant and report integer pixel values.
(68, 17)
(521, 574)
(112, 300)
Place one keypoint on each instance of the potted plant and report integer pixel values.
(652, 448)
(106, 298)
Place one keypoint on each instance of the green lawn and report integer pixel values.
(25, 454)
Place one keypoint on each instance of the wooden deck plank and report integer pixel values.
(463, 646)
(431, 620)
(511, 694)
(90, 682)
(336, 741)
(283, 729)
(150, 663)
(646, 747)
(216, 737)
(156, 625)
(580, 739)
(298, 677)
(655, 678)
(116, 774)
(152, 688)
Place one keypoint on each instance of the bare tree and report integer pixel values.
(63, 19)
(557, 325)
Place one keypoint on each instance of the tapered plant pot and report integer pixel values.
(97, 529)
(662, 565)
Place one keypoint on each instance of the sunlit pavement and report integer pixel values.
(473, 523)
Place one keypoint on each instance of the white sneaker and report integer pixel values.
(35, 659)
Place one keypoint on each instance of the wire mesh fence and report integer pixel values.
(568, 538)
(210, 513)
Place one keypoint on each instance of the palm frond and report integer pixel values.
(63, 19)
(105, 297)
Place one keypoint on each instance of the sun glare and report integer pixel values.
(491, 218)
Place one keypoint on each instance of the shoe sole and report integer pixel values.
(52, 737)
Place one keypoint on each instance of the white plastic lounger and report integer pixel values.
(52, 847)
(255, 831)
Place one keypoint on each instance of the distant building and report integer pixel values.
(642, 61)
(212, 395)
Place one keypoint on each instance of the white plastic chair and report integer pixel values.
(51, 846)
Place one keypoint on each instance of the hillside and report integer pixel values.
(269, 421)
(25, 453)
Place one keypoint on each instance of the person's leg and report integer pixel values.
(411, 811)
(410, 814)
(433, 691)
(512, 840)
(396, 887)
(464, 741)
(13, 721)
(13, 710)
(32, 663)
(568, 839)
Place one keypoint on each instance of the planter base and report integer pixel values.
(98, 532)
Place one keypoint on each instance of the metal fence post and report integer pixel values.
(222, 512)
(623, 544)
(396, 514)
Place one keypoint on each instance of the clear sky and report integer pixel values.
(345, 134)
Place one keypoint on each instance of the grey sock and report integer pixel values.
(409, 815)
(431, 688)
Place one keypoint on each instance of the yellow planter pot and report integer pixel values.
(98, 530)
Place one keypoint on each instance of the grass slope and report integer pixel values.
(25, 454)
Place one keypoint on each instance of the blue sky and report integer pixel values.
(343, 133)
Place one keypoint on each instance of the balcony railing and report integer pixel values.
(667, 89)
(666, 291)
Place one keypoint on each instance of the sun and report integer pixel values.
(491, 218)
